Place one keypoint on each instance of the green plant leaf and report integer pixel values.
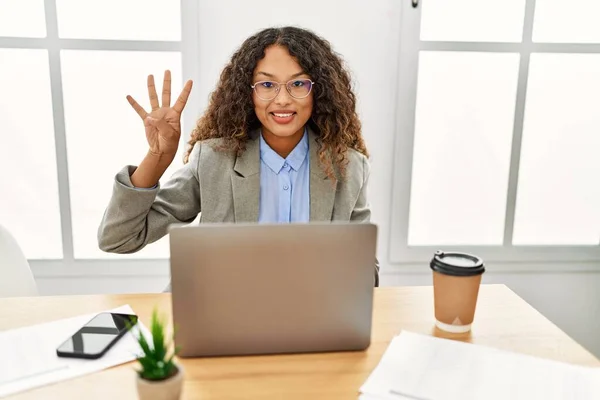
(146, 363)
(154, 362)
(144, 344)
(158, 335)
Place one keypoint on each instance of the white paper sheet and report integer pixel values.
(28, 355)
(420, 367)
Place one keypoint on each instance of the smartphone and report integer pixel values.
(97, 336)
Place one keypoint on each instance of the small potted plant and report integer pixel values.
(159, 378)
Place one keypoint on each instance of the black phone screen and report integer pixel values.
(96, 336)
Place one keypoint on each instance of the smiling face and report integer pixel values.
(283, 117)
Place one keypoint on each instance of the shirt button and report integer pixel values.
(285, 165)
(285, 187)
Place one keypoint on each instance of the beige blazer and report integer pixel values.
(222, 187)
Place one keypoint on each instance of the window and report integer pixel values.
(22, 18)
(499, 132)
(65, 69)
(104, 133)
(27, 141)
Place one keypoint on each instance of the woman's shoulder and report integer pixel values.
(357, 162)
(356, 156)
(356, 168)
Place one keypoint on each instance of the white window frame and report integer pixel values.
(399, 250)
(68, 266)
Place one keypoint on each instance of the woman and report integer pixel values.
(280, 142)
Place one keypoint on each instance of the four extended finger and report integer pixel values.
(152, 93)
(166, 91)
(183, 97)
(139, 109)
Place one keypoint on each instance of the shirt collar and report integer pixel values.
(295, 159)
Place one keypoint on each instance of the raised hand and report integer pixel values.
(162, 123)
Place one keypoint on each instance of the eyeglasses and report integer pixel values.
(297, 88)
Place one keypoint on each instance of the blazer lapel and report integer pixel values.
(322, 189)
(245, 182)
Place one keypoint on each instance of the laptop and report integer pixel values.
(241, 289)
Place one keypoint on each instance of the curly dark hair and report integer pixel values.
(230, 114)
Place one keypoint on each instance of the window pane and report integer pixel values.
(573, 21)
(104, 133)
(463, 135)
(119, 20)
(559, 180)
(29, 207)
(22, 18)
(473, 20)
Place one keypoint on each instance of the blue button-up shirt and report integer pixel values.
(284, 184)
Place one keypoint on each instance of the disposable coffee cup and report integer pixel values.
(456, 281)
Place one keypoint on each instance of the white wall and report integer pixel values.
(367, 34)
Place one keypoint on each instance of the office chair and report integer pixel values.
(16, 278)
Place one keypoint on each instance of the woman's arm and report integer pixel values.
(136, 216)
(150, 170)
